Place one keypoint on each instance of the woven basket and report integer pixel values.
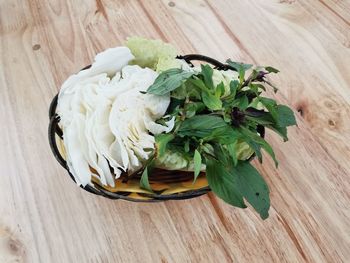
(167, 185)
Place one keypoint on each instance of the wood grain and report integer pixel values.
(46, 218)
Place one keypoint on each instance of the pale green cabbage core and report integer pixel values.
(153, 54)
(173, 160)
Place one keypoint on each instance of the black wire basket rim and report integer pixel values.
(54, 130)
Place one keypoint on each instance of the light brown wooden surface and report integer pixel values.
(44, 217)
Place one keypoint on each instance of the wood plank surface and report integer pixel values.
(44, 217)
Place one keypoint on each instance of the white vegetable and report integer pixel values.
(105, 119)
(133, 114)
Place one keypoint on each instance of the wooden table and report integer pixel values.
(44, 217)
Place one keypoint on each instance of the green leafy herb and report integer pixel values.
(252, 187)
(169, 80)
(271, 70)
(144, 183)
(256, 142)
(281, 131)
(271, 105)
(223, 184)
(200, 125)
(220, 90)
(207, 73)
(233, 87)
(231, 149)
(241, 68)
(216, 124)
(241, 102)
(238, 65)
(187, 145)
(223, 135)
(192, 108)
(285, 116)
(282, 114)
(211, 101)
(197, 164)
(200, 84)
(162, 141)
(232, 183)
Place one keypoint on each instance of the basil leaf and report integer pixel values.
(241, 68)
(197, 159)
(263, 119)
(220, 90)
(144, 183)
(169, 80)
(231, 148)
(192, 108)
(232, 183)
(223, 184)
(241, 102)
(221, 154)
(233, 88)
(271, 70)
(281, 131)
(223, 135)
(282, 114)
(187, 146)
(275, 89)
(256, 148)
(270, 105)
(237, 65)
(253, 187)
(162, 141)
(212, 102)
(207, 72)
(200, 125)
(257, 86)
(255, 141)
(198, 83)
(180, 93)
(285, 116)
(174, 105)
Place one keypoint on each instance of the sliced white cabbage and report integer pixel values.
(105, 119)
(133, 114)
(75, 144)
(109, 62)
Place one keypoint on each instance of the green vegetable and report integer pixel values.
(144, 183)
(169, 80)
(149, 53)
(243, 150)
(212, 102)
(173, 160)
(207, 73)
(285, 116)
(200, 125)
(272, 70)
(252, 187)
(224, 135)
(197, 164)
(256, 142)
(241, 68)
(217, 114)
(223, 184)
(165, 63)
(232, 183)
(161, 142)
